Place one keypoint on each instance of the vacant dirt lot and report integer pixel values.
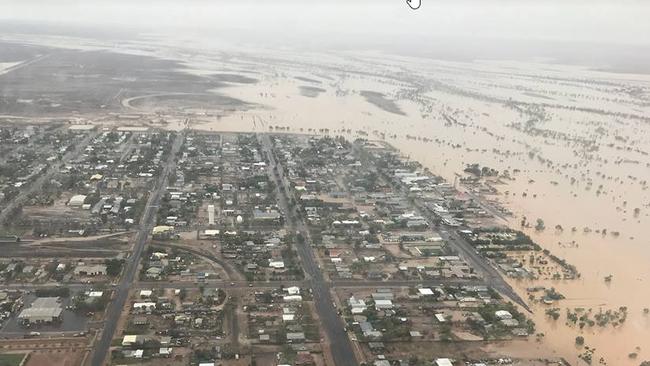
(58, 357)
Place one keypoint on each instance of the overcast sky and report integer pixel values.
(611, 21)
(603, 34)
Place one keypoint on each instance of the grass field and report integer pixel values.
(11, 359)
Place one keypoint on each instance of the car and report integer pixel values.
(232, 284)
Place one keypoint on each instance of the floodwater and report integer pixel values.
(579, 168)
(575, 141)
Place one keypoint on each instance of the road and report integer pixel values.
(232, 273)
(481, 265)
(305, 284)
(24, 64)
(340, 345)
(490, 275)
(103, 344)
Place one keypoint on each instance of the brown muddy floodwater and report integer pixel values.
(575, 143)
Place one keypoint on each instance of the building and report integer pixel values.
(131, 340)
(295, 337)
(90, 270)
(503, 314)
(210, 214)
(266, 216)
(383, 304)
(77, 200)
(43, 310)
(444, 362)
(357, 306)
(276, 264)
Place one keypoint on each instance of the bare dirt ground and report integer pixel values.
(59, 357)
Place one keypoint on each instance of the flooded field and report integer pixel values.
(570, 144)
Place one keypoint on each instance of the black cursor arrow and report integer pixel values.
(414, 4)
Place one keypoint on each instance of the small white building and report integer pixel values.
(503, 314)
(383, 304)
(292, 298)
(77, 200)
(293, 290)
(444, 362)
(276, 264)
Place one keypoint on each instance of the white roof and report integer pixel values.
(276, 264)
(290, 298)
(381, 302)
(443, 362)
(129, 339)
(425, 291)
(77, 199)
(503, 314)
(293, 290)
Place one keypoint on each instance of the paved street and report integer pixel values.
(339, 343)
(102, 347)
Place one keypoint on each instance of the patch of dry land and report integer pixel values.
(571, 144)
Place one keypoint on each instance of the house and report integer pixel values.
(510, 323)
(295, 337)
(292, 298)
(293, 290)
(503, 314)
(357, 306)
(162, 231)
(444, 362)
(153, 272)
(90, 270)
(140, 320)
(383, 304)
(266, 216)
(77, 200)
(144, 305)
(131, 340)
(276, 264)
(138, 353)
(369, 331)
